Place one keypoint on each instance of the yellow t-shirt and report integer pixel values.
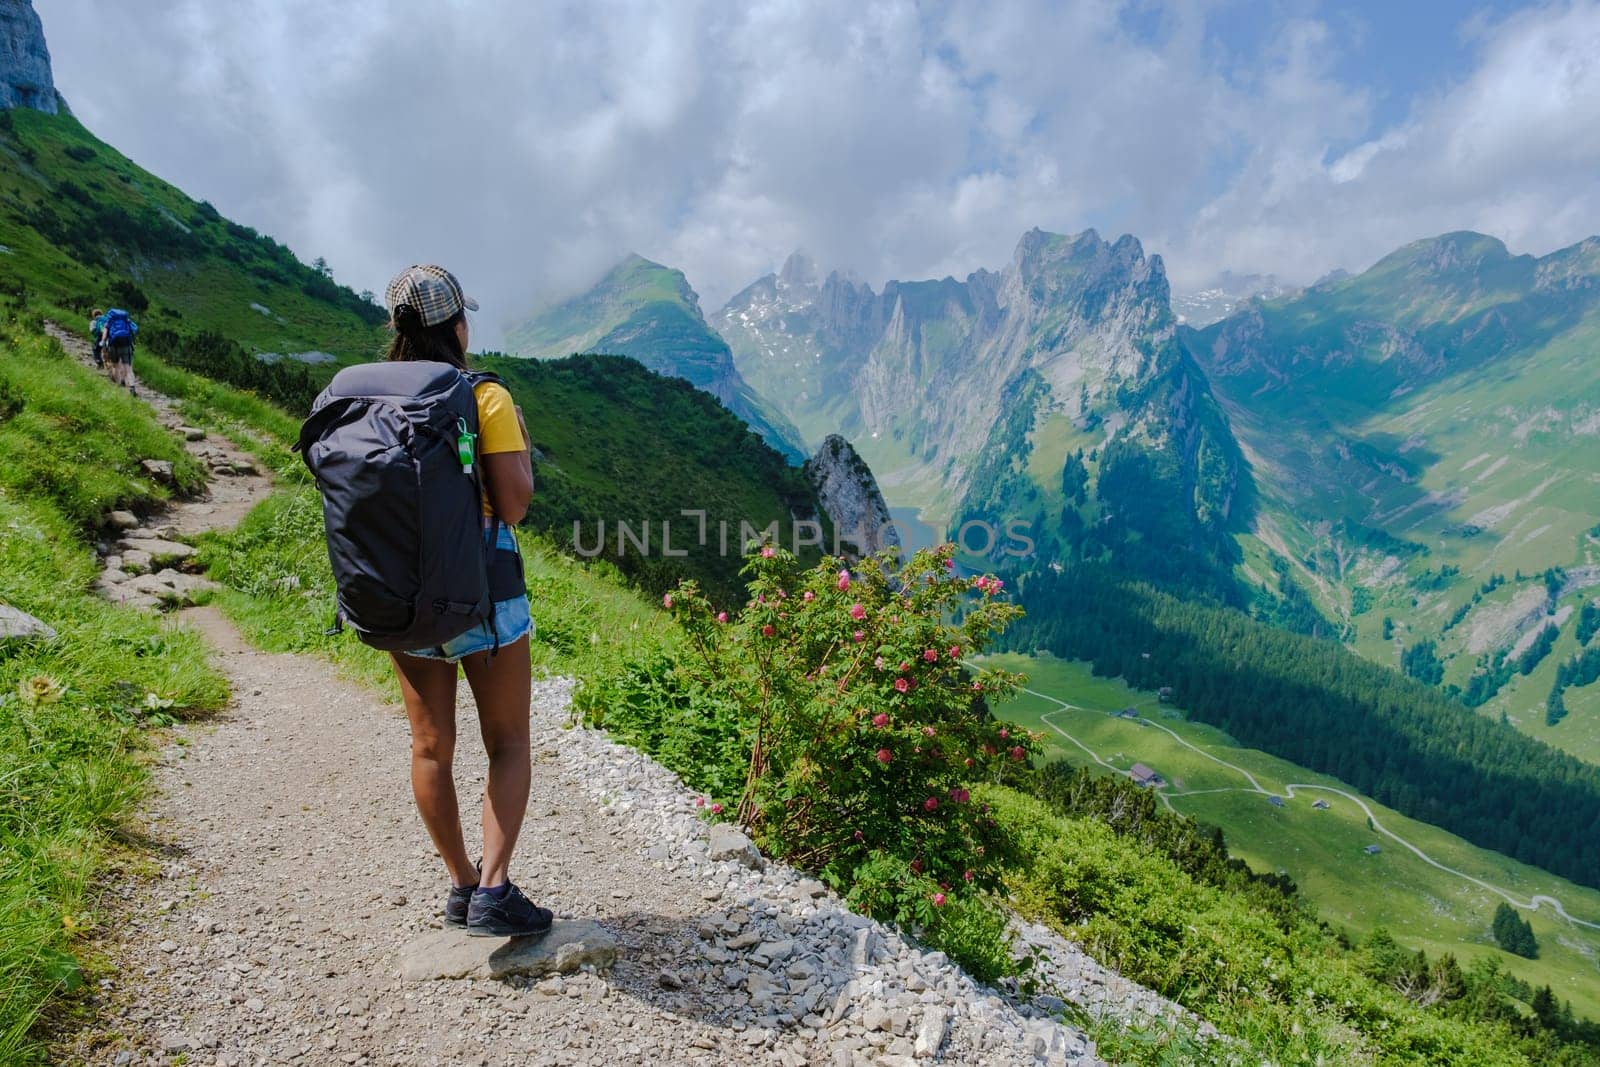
(498, 430)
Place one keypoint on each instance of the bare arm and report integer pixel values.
(508, 480)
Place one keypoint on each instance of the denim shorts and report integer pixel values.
(511, 622)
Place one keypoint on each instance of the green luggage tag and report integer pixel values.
(466, 445)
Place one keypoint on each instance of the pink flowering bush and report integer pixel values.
(863, 728)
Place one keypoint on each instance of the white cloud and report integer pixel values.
(528, 146)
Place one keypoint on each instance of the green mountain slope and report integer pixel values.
(615, 442)
(1425, 439)
(82, 225)
(647, 311)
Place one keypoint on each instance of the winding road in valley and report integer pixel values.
(1533, 903)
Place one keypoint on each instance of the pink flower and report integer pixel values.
(666, 600)
(766, 551)
(878, 663)
(761, 598)
(767, 630)
(938, 900)
(916, 865)
(949, 564)
(808, 595)
(977, 686)
(884, 756)
(857, 612)
(859, 836)
(996, 585)
(860, 636)
(1017, 753)
(699, 802)
(967, 761)
(955, 651)
(880, 720)
(931, 804)
(844, 580)
(980, 582)
(722, 616)
(968, 874)
(1004, 732)
(901, 684)
(928, 731)
(905, 665)
(716, 809)
(931, 655)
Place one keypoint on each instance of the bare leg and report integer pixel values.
(502, 687)
(429, 689)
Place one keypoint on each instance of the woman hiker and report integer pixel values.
(428, 316)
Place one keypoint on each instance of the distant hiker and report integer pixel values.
(424, 471)
(116, 336)
(97, 325)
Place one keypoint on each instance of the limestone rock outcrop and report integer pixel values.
(25, 79)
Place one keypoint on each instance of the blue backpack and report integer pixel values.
(119, 327)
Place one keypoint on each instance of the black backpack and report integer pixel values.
(393, 448)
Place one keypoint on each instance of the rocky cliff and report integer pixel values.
(984, 398)
(25, 79)
(849, 495)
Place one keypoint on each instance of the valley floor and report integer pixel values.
(1433, 890)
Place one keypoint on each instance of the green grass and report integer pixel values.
(80, 218)
(73, 437)
(72, 764)
(1321, 850)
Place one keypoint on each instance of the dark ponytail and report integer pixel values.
(415, 341)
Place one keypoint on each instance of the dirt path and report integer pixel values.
(296, 880)
(235, 484)
(295, 873)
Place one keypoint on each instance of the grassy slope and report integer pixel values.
(1322, 850)
(72, 766)
(1486, 460)
(619, 443)
(644, 310)
(77, 216)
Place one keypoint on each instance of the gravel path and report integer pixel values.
(295, 873)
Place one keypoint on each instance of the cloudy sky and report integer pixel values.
(529, 145)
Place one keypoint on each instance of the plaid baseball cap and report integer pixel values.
(429, 288)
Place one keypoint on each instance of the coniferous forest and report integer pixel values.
(1404, 743)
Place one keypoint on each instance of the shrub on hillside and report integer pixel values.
(286, 382)
(861, 731)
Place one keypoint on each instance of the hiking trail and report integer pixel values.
(295, 917)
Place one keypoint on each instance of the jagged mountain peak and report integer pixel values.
(799, 271)
(1056, 261)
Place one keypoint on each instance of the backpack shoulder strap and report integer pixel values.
(476, 378)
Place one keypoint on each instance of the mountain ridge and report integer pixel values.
(648, 311)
